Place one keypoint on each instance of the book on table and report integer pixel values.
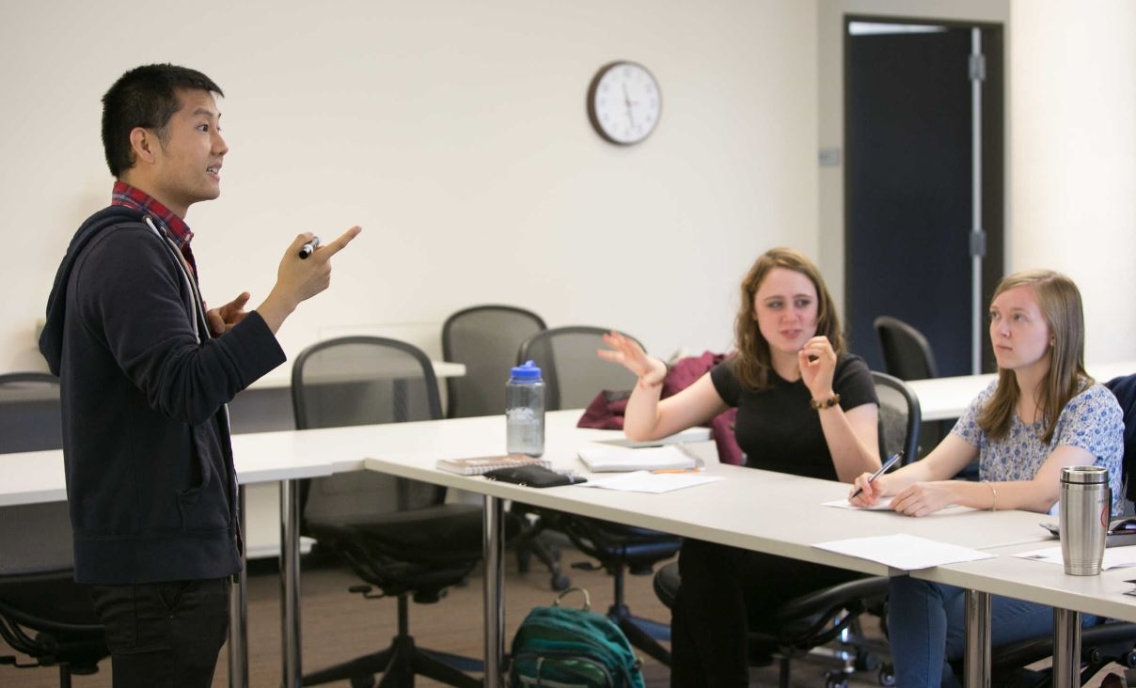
(480, 464)
(670, 457)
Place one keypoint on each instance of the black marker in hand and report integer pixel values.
(309, 248)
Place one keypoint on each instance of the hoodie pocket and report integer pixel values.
(204, 506)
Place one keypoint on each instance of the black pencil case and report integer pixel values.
(532, 476)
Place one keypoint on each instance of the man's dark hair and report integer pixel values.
(144, 97)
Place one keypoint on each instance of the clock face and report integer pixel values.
(624, 102)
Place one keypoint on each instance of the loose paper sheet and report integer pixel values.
(906, 552)
(885, 505)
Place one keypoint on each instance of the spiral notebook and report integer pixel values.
(480, 464)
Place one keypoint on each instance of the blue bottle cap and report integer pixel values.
(528, 371)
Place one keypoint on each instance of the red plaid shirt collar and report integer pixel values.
(174, 227)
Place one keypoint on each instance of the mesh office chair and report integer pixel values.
(573, 375)
(396, 534)
(831, 614)
(908, 356)
(907, 353)
(1101, 645)
(44, 614)
(485, 339)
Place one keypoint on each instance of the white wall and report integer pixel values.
(1073, 151)
(456, 134)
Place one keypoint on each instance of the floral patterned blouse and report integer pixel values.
(1092, 420)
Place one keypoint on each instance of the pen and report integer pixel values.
(887, 464)
(309, 248)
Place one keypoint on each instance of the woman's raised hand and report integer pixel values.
(817, 361)
(627, 352)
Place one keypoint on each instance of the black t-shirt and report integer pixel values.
(778, 430)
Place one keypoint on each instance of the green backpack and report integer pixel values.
(557, 647)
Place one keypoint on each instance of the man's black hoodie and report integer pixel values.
(150, 476)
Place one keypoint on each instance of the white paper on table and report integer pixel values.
(885, 505)
(655, 483)
(1114, 557)
(906, 552)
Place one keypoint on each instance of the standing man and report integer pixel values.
(145, 373)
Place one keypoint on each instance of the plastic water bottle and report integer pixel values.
(524, 411)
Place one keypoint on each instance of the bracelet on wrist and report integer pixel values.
(994, 494)
(820, 405)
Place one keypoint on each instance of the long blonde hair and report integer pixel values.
(753, 362)
(1060, 303)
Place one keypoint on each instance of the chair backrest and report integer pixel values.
(34, 538)
(900, 417)
(363, 381)
(1124, 388)
(485, 339)
(573, 373)
(907, 354)
(29, 412)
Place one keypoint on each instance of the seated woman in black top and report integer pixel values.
(805, 407)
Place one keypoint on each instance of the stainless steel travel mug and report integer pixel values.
(1086, 504)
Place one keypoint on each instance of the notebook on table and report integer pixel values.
(671, 457)
(480, 464)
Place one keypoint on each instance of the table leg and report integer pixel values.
(290, 580)
(977, 658)
(238, 610)
(493, 546)
(1066, 648)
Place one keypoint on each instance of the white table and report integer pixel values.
(1042, 583)
(752, 509)
(944, 398)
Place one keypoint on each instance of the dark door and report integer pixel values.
(909, 189)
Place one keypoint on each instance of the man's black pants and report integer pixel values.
(164, 635)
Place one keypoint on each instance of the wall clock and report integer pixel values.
(624, 102)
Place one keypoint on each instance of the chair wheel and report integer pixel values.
(560, 582)
(835, 679)
(867, 661)
(887, 675)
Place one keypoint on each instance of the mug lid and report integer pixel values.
(1084, 474)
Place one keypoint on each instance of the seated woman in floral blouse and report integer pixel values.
(1043, 413)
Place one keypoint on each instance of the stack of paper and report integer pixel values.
(669, 457)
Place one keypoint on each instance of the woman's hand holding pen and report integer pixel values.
(817, 362)
(625, 351)
(868, 489)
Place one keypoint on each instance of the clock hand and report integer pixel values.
(627, 101)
